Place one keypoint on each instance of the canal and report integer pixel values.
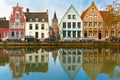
(60, 64)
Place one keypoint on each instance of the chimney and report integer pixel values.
(27, 10)
(4, 18)
(110, 8)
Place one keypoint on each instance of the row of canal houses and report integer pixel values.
(91, 23)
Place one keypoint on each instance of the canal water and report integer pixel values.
(60, 64)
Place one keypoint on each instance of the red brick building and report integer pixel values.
(98, 24)
(4, 28)
(17, 23)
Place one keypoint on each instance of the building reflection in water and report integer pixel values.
(16, 62)
(36, 60)
(93, 61)
(71, 61)
(101, 61)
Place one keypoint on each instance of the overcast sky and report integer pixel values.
(60, 6)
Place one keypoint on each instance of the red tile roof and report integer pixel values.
(106, 15)
(84, 13)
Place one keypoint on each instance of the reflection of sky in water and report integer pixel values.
(55, 72)
(103, 77)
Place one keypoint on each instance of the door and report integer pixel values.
(99, 35)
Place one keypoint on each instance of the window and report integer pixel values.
(36, 26)
(30, 19)
(42, 26)
(95, 24)
(64, 34)
(99, 24)
(30, 58)
(17, 24)
(22, 34)
(79, 34)
(17, 34)
(90, 16)
(22, 25)
(106, 33)
(64, 24)
(30, 26)
(17, 15)
(93, 10)
(42, 35)
(36, 19)
(43, 19)
(74, 16)
(36, 34)
(85, 23)
(112, 33)
(90, 24)
(36, 58)
(69, 16)
(42, 58)
(74, 34)
(12, 25)
(79, 24)
(95, 33)
(69, 25)
(90, 33)
(74, 25)
(5, 35)
(95, 16)
(69, 33)
(69, 59)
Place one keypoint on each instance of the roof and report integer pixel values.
(42, 16)
(106, 15)
(71, 7)
(4, 24)
(83, 14)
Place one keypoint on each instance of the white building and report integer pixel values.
(37, 24)
(71, 24)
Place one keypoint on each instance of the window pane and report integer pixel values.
(74, 25)
(42, 26)
(79, 25)
(36, 26)
(64, 24)
(69, 16)
(74, 16)
(17, 16)
(30, 26)
(69, 25)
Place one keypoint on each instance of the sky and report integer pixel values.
(58, 6)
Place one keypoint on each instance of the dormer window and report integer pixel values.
(43, 19)
(30, 19)
(93, 10)
(17, 15)
(37, 19)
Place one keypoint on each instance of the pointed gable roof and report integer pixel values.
(84, 12)
(71, 7)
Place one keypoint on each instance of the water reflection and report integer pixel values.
(94, 62)
(71, 61)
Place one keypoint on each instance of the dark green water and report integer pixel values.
(60, 64)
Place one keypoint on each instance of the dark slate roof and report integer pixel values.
(55, 16)
(42, 16)
(4, 24)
